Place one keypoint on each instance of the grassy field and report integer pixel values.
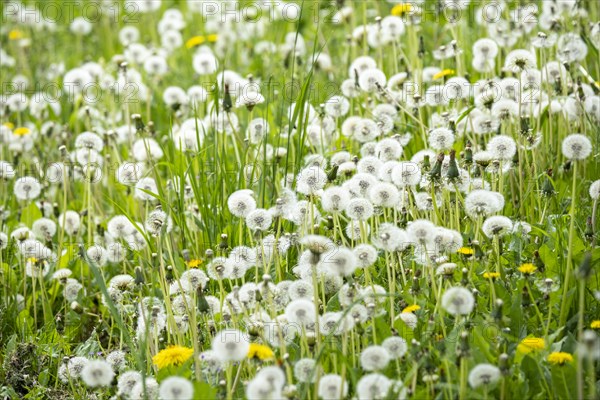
(299, 200)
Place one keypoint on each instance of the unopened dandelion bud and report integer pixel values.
(332, 174)
(169, 274)
(426, 163)
(415, 285)
(139, 124)
(63, 152)
(139, 277)
(436, 171)
(468, 154)
(463, 345)
(209, 254)
(201, 302)
(223, 244)
(75, 306)
(452, 173)
(452, 126)
(478, 252)
(525, 295)
(155, 311)
(421, 52)
(290, 391)
(589, 229)
(227, 102)
(185, 253)
(330, 224)
(538, 262)
(497, 311)
(151, 128)
(503, 363)
(585, 268)
(465, 277)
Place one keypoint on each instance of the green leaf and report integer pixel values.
(30, 214)
(532, 374)
(205, 391)
(563, 381)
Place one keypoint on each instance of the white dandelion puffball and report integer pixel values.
(406, 173)
(497, 225)
(366, 255)
(127, 381)
(359, 209)
(502, 147)
(231, 345)
(441, 139)
(241, 203)
(259, 220)
(395, 346)
(335, 199)
(373, 386)
(27, 188)
(301, 312)
(371, 79)
(341, 261)
(519, 60)
(458, 301)
(310, 180)
(483, 202)
(576, 147)
(97, 373)
(260, 388)
(332, 387)
(595, 190)
(374, 358)
(483, 374)
(176, 388)
(273, 375)
(305, 370)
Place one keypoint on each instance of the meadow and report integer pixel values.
(311, 199)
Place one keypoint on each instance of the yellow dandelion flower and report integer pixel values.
(491, 275)
(559, 358)
(260, 351)
(22, 131)
(195, 41)
(172, 355)
(412, 308)
(401, 9)
(466, 251)
(9, 125)
(443, 73)
(32, 260)
(195, 263)
(530, 344)
(527, 269)
(595, 324)
(15, 34)
(213, 37)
